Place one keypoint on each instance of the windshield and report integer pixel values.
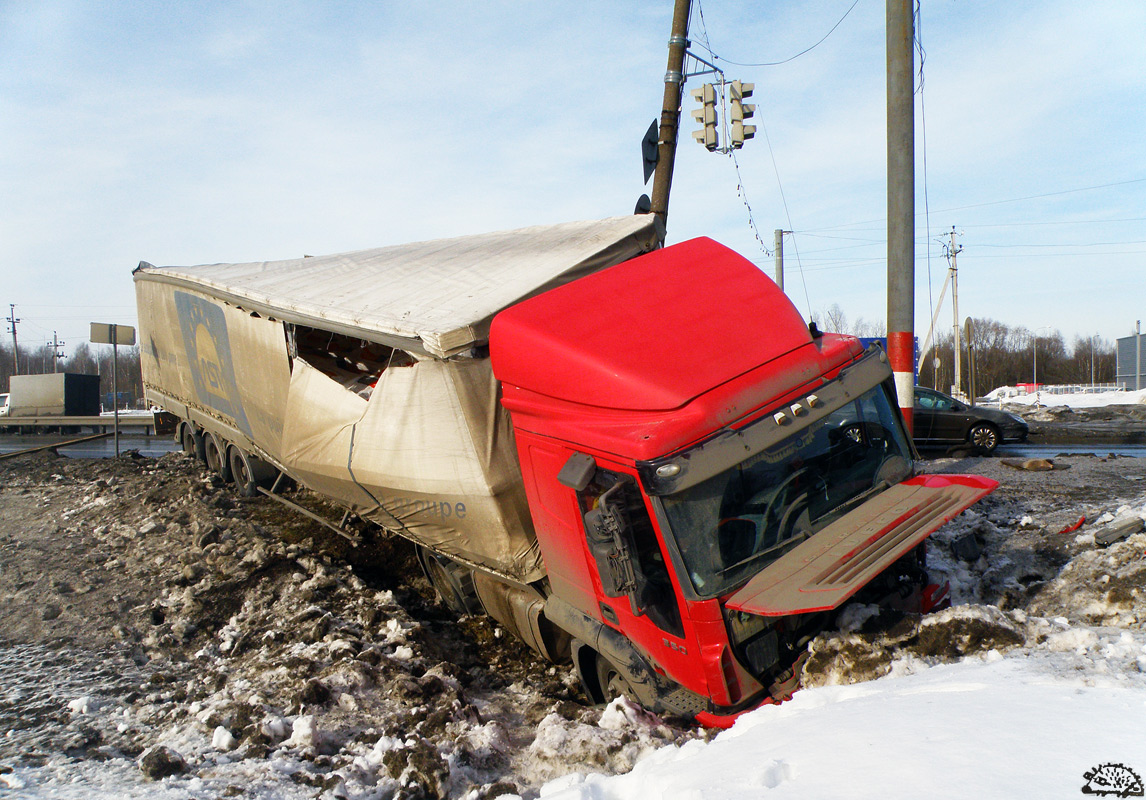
(732, 525)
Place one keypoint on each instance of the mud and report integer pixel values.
(143, 604)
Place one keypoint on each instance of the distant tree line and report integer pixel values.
(85, 359)
(997, 354)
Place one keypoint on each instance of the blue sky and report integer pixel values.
(236, 131)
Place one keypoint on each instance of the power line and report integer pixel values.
(716, 57)
(996, 203)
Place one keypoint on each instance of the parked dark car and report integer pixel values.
(944, 421)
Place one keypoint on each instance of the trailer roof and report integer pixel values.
(436, 297)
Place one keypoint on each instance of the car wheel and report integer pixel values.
(985, 437)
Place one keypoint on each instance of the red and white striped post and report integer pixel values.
(901, 202)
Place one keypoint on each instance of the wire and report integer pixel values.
(716, 57)
(923, 125)
(1001, 202)
(788, 216)
(740, 190)
(1048, 194)
(703, 26)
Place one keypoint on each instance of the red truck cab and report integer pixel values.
(709, 480)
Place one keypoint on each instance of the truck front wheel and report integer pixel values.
(612, 682)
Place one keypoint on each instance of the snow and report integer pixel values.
(1010, 396)
(994, 727)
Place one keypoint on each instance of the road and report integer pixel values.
(148, 445)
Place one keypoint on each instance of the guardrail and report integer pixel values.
(98, 423)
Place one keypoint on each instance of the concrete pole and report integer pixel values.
(15, 346)
(670, 110)
(900, 34)
(778, 249)
(958, 387)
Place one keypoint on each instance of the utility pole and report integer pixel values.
(778, 249)
(952, 251)
(56, 344)
(900, 36)
(670, 111)
(12, 320)
(1137, 357)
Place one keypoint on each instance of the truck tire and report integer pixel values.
(453, 583)
(215, 454)
(192, 441)
(612, 682)
(250, 472)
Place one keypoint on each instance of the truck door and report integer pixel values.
(638, 595)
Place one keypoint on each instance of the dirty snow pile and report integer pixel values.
(1010, 396)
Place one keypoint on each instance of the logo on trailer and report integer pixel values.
(1113, 780)
(209, 356)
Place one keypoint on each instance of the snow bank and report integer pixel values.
(991, 728)
(1074, 400)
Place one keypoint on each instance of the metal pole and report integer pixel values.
(1138, 356)
(115, 383)
(970, 362)
(778, 249)
(670, 111)
(1035, 349)
(900, 34)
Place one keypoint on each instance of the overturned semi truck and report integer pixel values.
(638, 458)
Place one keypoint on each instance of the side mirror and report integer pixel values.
(577, 472)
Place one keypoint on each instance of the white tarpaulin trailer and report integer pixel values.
(434, 298)
(362, 375)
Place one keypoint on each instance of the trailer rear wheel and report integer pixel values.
(249, 472)
(215, 453)
(453, 583)
(192, 441)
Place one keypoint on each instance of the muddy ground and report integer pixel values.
(1106, 425)
(151, 617)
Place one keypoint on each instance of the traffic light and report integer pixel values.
(706, 116)
(739, 111)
